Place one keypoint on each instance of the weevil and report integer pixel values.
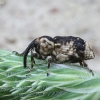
(61, 49)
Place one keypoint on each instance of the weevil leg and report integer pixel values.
(36, 55)
(81, 63)
(49, 61)
(18, 54)
(32, 60)
(85, 65)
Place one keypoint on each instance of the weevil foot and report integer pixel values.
(48, 74)
(91, 72)
(85, 65)
(18, 54)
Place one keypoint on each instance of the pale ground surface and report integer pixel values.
(23, 20)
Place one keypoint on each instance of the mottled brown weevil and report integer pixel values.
(61, 49)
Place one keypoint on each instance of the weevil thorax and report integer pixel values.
(46, 45)
(89, 54)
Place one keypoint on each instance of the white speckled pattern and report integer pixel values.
(89, 54)
(63, 52)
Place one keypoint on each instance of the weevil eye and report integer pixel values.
(35, 43)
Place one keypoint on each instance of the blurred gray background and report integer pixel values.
(21, 21)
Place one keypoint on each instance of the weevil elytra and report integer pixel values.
(73, 50)
(61, 49)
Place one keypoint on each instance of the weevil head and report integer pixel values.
(42, 45)
(46, 45)
(89, 54)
